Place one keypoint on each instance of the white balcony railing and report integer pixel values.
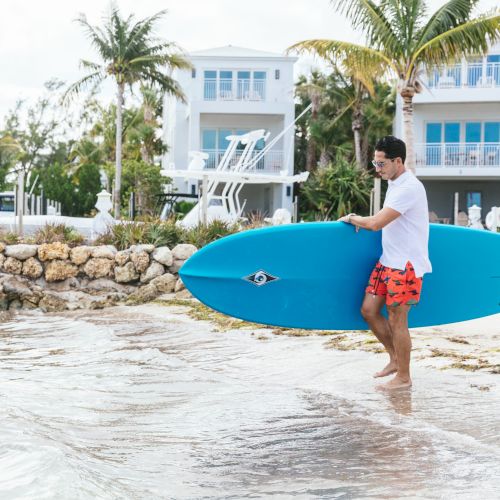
(467, 75)
(458, 154)
(272, 162)
(237, 90)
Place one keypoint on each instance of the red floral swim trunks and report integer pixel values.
(398, 286)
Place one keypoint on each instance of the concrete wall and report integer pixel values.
(440, 195)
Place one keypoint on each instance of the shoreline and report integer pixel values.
(471, 346)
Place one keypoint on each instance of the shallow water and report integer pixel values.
(140, 403)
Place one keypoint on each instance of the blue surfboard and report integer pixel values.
(314, 275)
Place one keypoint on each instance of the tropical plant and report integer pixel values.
(51, 233)
(156, 232)
(343, 113)
(310, 90)
(336, 190)
(402, 39)
(130, 53)
(202, 234)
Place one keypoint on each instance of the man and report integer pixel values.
(396, 280)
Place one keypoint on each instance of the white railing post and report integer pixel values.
(464, 67)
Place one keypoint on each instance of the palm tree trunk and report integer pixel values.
(357, 125)
(118, 153)
(407, 94)
(311, 161)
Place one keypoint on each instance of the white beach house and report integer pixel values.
(457, 135)
(233, 90)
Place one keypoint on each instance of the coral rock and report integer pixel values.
(122, 257)
(53, 251)
(104, 252)
(183, 251)
(165, 283)
(32, 268)
(59, 270)
(12, 265)
(126, 273)
(98, 268)
(140, 260)
(163, 255)
(80, 255)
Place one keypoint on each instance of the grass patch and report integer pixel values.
(199, 312)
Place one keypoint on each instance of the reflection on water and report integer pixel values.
(136, 403)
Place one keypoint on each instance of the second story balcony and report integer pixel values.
(271, 163)
(470, 74)
(234, 86)
(471, 156)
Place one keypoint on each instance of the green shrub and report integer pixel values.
(336, 190)
(52, 232)
(10, 238)
(164, 233)
(201, 235)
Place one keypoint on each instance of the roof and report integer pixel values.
(233, 51)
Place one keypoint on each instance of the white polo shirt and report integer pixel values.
(407, 237)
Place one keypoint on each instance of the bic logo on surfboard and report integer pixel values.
(260, 278)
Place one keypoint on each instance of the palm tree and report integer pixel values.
(404, 40)
(130, 53)
(311, 91)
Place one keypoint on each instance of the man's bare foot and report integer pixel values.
(396, 383)
(391, 368)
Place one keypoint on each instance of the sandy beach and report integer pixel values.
(470, 346)
(172, 400)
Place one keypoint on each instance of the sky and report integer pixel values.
(40, 40)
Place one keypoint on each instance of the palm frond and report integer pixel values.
(165, 83)
(74, 89)
(451, 14)
(144, 27)
(358, 58)
(469, 38)
(91, 65)
(371, 19)
(98, 38)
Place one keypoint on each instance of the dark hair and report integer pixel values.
(392, 147)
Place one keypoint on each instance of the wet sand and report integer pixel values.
(470, 346)
(175, 401)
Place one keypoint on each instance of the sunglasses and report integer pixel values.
(381, 164)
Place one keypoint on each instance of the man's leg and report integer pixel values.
(398, 322)
(371, 311)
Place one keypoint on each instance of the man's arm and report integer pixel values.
(374, 222)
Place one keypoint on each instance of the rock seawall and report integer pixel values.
(55, 277)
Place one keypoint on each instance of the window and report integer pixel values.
(259, 85)
(193, 73)
(473, 198)
(208, 139)
(492, 132)
(481, 148)
(473, 132)
(210, 85)
(492, 143)
(214, 143)
(276, 74)
(433, 148)
(226, 84)
(243, 84)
